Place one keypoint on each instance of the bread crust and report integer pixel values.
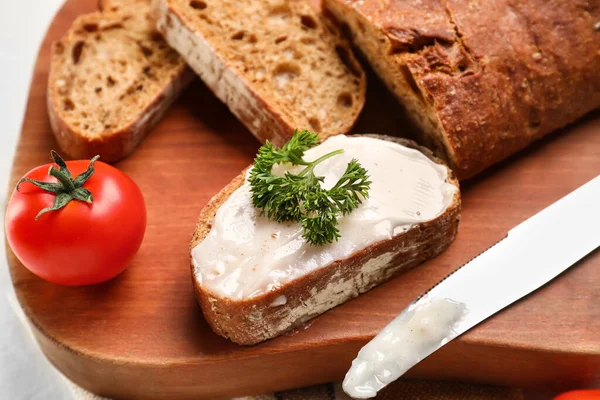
(261, 117)
(113, 144)
(482, 79)
(254, 320)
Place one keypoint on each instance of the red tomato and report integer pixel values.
(580, 395)
(81, 243)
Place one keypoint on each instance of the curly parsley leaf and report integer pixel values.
(299, 197)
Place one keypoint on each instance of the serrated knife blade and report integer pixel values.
(531, 255)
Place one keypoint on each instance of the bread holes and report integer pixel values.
(110, 82)
(90, 27)
(198, 4)
(280, 39)
(147, 71)
(344, 55)
(169, 21)
(285, 72)
(111, 27)
(130, 90)
(315, 124)
(76, 52)
(279, 15)
(308, 40)
(252, 38)
(59, 48)
(68, 105)
(203, 17)
(308, 22)
(97, 37)
(292, 54)
(156, 37)
(98, 90)
(238, 35)
(345, 100)
(146, 51)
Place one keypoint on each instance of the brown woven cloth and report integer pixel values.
(402, 390)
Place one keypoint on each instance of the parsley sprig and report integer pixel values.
(299, 197)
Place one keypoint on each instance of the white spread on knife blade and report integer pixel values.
(420, 329)
(245, 255)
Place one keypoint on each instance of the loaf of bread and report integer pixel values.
(112, 77)
(482, 79)
(277, 64)
(283, 304)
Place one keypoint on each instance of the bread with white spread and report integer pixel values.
(277, 64)
(248, 294)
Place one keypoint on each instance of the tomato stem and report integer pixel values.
(67, 188)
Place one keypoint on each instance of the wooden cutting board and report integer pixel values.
(142, 334)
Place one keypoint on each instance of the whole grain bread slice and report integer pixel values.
(277, 64)
(112, 77)
(253, 320)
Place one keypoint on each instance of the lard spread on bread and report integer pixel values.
(247, 255)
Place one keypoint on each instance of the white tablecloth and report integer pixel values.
(24, 372)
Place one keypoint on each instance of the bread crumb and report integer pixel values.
(537, 56)
(597, 26)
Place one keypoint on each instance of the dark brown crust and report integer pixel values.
(110, 145)
(251, 321)
(274, 126)
(492, 76)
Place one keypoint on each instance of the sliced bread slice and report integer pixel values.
(277, 64)
(248, 302)
(112, 77)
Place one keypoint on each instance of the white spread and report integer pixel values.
(245, 255)
(414, 334)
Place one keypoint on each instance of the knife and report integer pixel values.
(532, 254)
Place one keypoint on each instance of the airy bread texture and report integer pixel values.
(277, 64)
(482, 79)
(253, 320)
(120, 5)
(112, 77)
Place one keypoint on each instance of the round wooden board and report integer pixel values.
(142, 334)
